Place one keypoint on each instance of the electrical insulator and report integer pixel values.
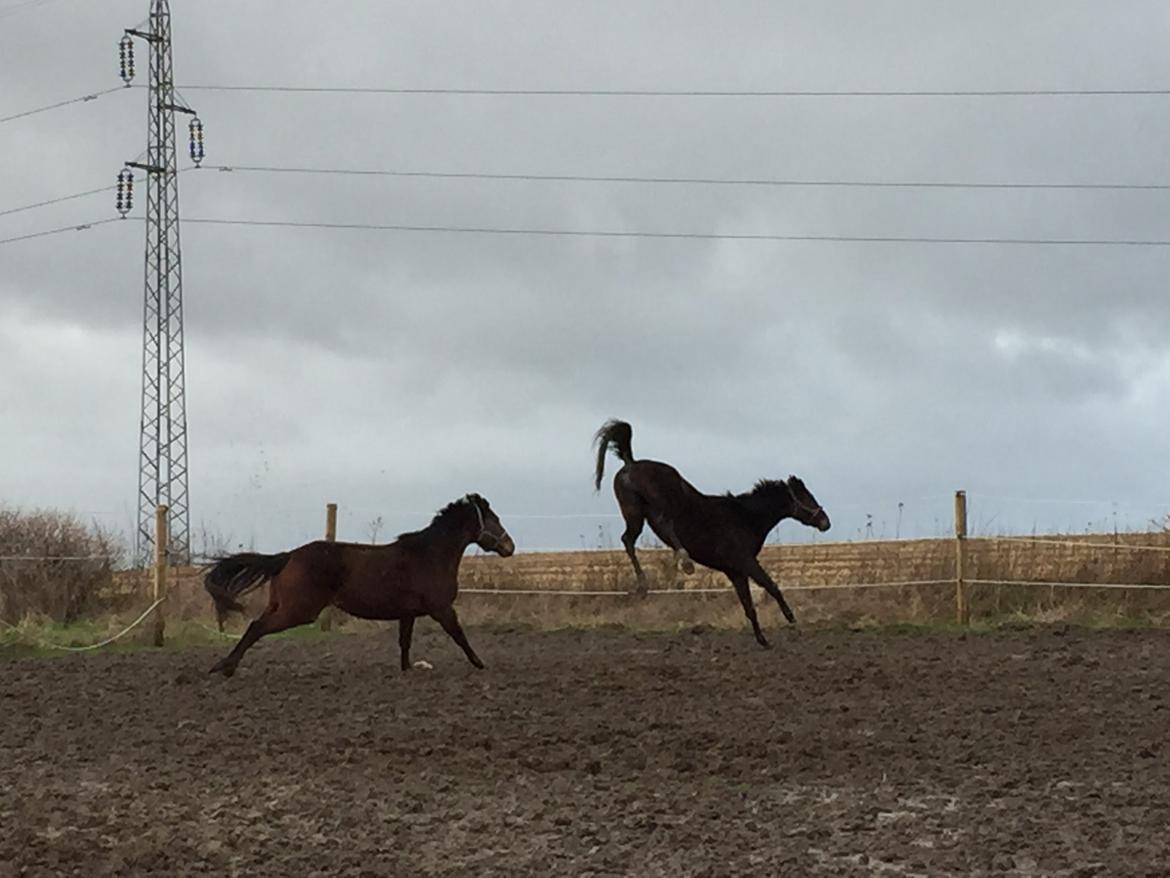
(196, 140)
(126, 57)
(125, 196)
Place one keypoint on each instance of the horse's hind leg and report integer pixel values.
(634, 525)
(757, 573)
(665, 529)
(283, 612)
(258, 628)
(450, 622)
(744, 592)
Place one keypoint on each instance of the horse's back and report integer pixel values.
(369, 581)
(653, 482)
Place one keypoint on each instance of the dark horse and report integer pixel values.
(724, 533)
(416, 575)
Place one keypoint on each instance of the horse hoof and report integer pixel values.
(763, 642)
(688, 567)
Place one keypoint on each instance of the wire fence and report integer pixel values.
(897, 572)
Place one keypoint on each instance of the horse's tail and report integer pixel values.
(617, 435)
(235, 575)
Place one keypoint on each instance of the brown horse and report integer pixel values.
(416, 575)
(724, 533)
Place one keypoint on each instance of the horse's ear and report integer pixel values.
(795, 481)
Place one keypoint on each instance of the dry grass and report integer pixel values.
(820, 580)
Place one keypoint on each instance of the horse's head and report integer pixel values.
(492, 536)
(806, 509)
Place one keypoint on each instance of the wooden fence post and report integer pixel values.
(962, 602)
(160, 573)
(325, 622)
(331, 521)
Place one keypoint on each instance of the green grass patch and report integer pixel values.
(43, 639)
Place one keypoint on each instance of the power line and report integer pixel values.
(687, 93)
(57, 200)
(75, 195)
(712, 236)
(706, 181)
(601, 233)
(590, 178)
(15, 8)
(78, 100)
(77, 227)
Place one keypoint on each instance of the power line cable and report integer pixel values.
(598, 233)
(711, 181)
(714, 236)
(78, 100)
(84, 194)
(58, 200)
(591, 178)
(76, 227)
(685, 93)
(16, 8)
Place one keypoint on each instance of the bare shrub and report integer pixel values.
(52, 564)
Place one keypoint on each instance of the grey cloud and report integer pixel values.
(393, 371)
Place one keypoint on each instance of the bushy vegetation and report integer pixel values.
(55, 565)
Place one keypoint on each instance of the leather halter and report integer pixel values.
(812, 512)
(483, 531)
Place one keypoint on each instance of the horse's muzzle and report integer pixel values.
(505, 547)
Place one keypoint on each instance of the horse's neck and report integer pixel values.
(452, 545)
(768, 515)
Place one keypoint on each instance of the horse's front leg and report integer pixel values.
(447, 617)
(757, 573)
(405, 630)
(744, 592)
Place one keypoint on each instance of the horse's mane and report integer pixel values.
(442, 521)
(764, 490)
(761, 488)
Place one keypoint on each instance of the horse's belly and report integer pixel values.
(379, 606)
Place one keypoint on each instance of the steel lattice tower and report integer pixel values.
(162, 448)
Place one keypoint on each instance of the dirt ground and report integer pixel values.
(597, 752)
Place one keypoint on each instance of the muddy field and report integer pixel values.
(597, 752)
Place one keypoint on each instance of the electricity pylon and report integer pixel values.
(162, 447)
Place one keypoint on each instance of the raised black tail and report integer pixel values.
(617, 435)
(236, 575)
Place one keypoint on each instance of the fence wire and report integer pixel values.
(1052, 541)
(1138, 586)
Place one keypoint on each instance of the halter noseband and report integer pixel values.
(804, 507)
(483, 531)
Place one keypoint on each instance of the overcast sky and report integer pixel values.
(393, 371)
